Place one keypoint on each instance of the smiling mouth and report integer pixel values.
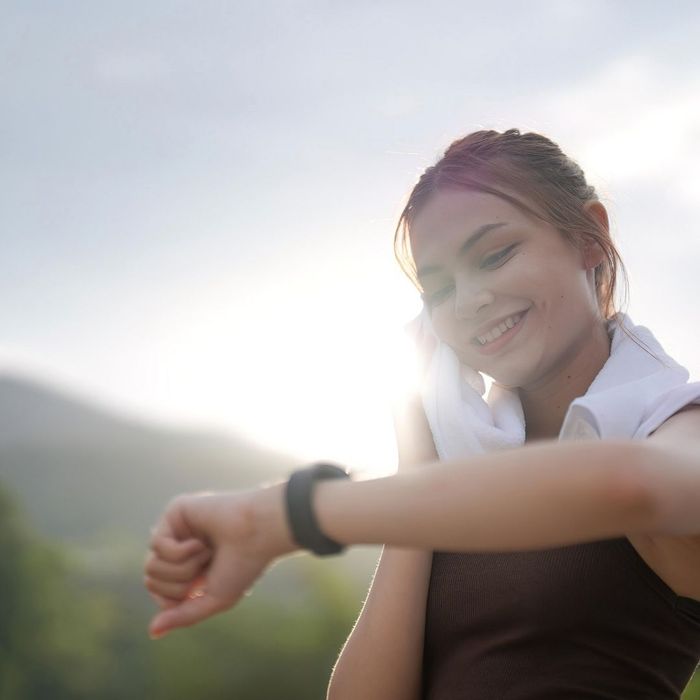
(513, 320)
(496, 344)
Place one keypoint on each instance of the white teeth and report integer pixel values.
(499, 330)
(495, 333)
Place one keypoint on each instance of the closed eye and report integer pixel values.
(439, 296)
(499, 256)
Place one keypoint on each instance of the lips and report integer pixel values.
(496, 346)
(492, 324)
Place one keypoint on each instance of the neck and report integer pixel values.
(546, 401)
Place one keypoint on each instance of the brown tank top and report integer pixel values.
(590, 620)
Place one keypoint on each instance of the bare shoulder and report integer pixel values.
(675, 559)
(684, 423)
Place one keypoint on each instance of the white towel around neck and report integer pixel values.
(630, 396)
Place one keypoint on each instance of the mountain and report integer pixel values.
(83, 472)
(97, 481)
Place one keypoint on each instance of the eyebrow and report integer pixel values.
(471, 241)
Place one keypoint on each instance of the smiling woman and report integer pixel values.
(505, 226)
(529, 172)
(472, 287)
(540, 541)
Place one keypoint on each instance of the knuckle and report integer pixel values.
(203, 558)
(151, 567)
(177, 501)
(178, 574)
(190, 571)
(178, 554)
(161, 600)
(179, 592)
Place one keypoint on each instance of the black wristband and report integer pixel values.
(300, 513)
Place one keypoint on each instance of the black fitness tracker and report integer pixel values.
(300, 515)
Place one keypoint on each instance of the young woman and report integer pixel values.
(562, 561)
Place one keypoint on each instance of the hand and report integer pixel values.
(180, 563)
(425, 341)
(208, 549)
(414, 440)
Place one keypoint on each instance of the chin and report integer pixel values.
(508, 380)
(512, 386)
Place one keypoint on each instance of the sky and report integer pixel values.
(198, 199)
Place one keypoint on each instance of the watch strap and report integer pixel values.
(300, 513)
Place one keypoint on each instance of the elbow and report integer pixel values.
(670, 476)
(631, 489)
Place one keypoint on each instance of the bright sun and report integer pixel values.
(309, 373)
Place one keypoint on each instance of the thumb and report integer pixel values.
(188, 612)
(229, 578)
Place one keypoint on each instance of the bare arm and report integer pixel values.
(672, 473)
(382, 658)
(540, 495)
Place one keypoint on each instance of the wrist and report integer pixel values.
(269, 518)
(301, 507)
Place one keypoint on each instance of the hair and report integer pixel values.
(540, 174)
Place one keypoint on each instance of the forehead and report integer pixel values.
(450, 215)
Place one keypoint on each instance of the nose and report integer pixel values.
(469, 299)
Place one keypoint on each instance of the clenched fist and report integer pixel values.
(208, 549)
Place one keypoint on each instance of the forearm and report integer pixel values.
(540, 495)
(382, 657)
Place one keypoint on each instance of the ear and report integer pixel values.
(593, 254)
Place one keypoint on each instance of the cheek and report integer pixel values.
(548, 285)
(533, 272)
(564, 292)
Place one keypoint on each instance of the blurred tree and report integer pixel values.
(264, 647)
(69, 632)
(692, 692)
(50, 635)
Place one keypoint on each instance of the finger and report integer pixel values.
(168, 589)
(195, 587)
(229, 578)
(158, 535)
(188, 612)
(164, 602)
(171, 554)
(158, 568)
(162, 528)
(172, 550)
(173, 522)
(184, 571)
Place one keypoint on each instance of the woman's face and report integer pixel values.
(481, 260)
